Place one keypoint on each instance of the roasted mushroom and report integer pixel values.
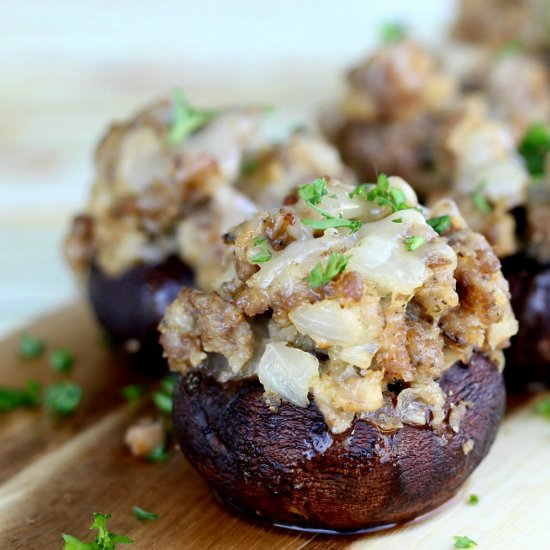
(389, 121)
(349, 377)
(498, 23)
(172, 165)
(528, 272)
(506, 196)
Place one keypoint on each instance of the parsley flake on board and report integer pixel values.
(63, 398)
(441, 224)
(30, 347)
(412, 243)
(133, 392)
(265, 254)
(464, 542)
(105, 539)
(534, 148)
(168, 384)
(61, 360)
(163, 402)
(158, 454)
(14, 398)
(336, 264)
(543, 407)
(480, 200)
(143, 515)
(473, 499)
(312, 194)
(187, 119)
(162, 398)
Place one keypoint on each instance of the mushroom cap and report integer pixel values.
(130, 306)
(288, 468)
(528, 357)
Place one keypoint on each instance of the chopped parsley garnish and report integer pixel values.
(63, 398)
(168, 384)
(534, 148)
(337, 262)
(158, 454)
(250, 167)
(332, 222)
(362, 190)
(105, 539)
(30, 347)
(510, 49)
(14, 398)
(133, 392)
(441, 224)
(143, 515)
(464, 542)
(312, 194)
(187, 119)
(61, 360)
(393, 32)
(473, 499)
(412, 243)
(265, 253)
(543, 407)
(382, 194)
(397, 220)
(480, 200)
(162, 398)
(163, 402)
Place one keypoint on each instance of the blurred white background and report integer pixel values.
(68, 68)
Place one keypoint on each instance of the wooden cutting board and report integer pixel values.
(54, 473)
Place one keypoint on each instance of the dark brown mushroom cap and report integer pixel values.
(288, 468)
(130, 306)
(528, 358)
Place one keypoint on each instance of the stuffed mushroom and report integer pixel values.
(396, 101)
(152, 172)
(487, 147)
(350, 375)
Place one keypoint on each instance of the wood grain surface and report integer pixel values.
(54, 473)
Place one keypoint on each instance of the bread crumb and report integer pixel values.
(468, 446)
(145, 436)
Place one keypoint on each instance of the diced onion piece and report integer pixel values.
(499, 333)
(329, 324)
(486, 154)
(222, 139)
(359, 356)
(141, 159)
(288, 372)
(381, 255)
(505, 182)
